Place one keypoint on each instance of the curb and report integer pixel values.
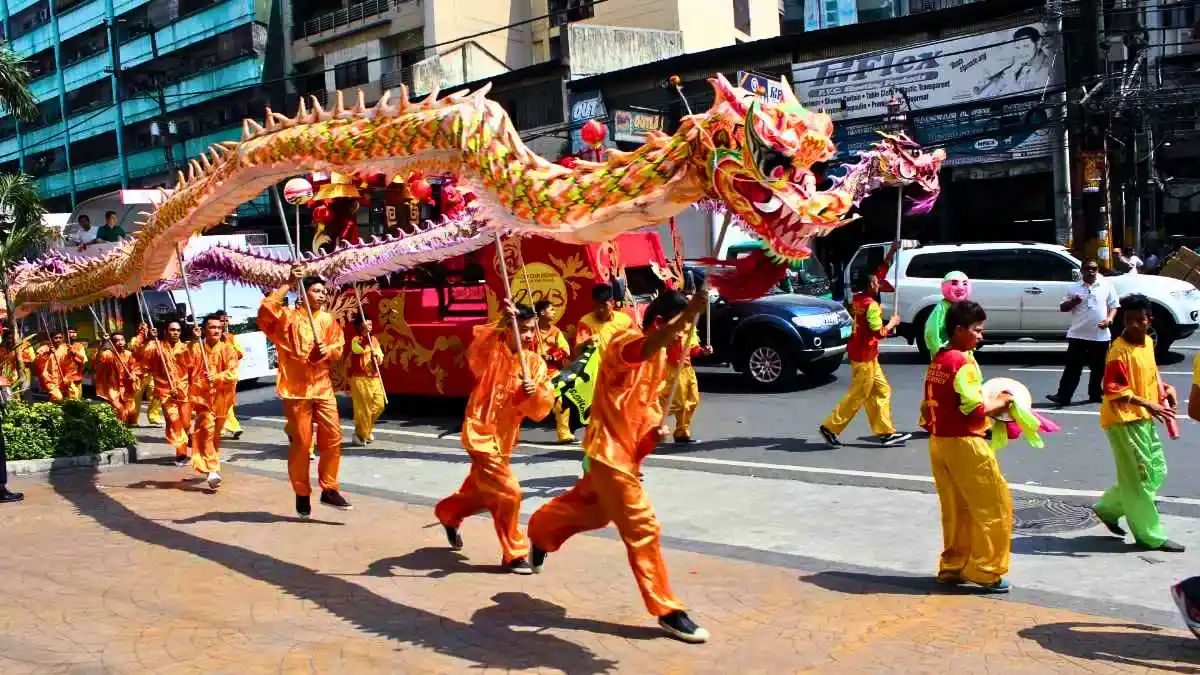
(42, 468)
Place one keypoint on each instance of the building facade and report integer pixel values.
(129, 89)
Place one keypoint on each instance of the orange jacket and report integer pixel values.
(498, 403)
(169, 365)
(627, 403)
(115, 374)
(223, 363)
(292, 333)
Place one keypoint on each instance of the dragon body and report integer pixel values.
(755, 157)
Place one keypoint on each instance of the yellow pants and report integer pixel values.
(154, 406)
(231, 423)
(977, 514)
(75, 391)
(687, 399)
(562, 422)
(869, 388)
(369, 400)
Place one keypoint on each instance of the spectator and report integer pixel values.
(1093, 304)
(110, 231)
(85, 235)
(1128, 258)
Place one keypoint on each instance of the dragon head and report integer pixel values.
(902, 163)
(760, 164)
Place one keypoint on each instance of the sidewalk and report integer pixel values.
(131, 571)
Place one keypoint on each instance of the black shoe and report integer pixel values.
(1112, 526)
(892, 439)
(681, 626)
(237, 435)
(336, 500)
(453, 537)
(1058, 400)
(685, 440)
(831, 439)
(538, 557)
(182, 460)
(7, 496)
(519, 566)
(1169, 546)
(1095, 399)
(303, 506)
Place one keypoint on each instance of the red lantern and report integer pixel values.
(321, 215)
(593, 133)
(420, 188)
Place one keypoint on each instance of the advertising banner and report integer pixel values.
(630, 126)
(586, 106)
(1018, 62)
(1093, 170)
(772, 89)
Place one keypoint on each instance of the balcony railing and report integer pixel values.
(344, 17)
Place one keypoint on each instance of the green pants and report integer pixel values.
(1141, 470)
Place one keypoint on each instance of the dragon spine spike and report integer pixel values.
(360, 105)
(432, 99)
(205, 164)
(194, 170)
(341, 104)
(268, 119)
(301, 111)
(319, 113)
(404, 103)
(280, 120)
(250, 129)
(381, 104)
(180, 183)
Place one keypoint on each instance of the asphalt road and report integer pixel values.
(774, 434)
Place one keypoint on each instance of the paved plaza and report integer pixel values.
(134, 571)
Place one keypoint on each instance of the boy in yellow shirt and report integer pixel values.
(1132, 402)
(602, 323)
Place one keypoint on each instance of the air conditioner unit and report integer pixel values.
(1180, 42)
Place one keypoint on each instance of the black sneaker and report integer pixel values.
(336, 500)
(538, 556)
(7, 496)
(1169, 546)
(685, 440)
(681, 626)
(831, 439)
(1112, 526)
(892, 439)
(303, 506)
(182, 460)
(520, 566)
(237, 435)
(1058, 400)
(453, 537)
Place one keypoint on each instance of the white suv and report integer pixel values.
(1021, 285)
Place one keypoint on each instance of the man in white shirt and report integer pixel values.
(85, 234)
(1130, 260)
(1093, 304)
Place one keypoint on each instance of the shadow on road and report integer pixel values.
(502, 648)
(1069, 547)
(439, 563)
(862, 583)
(1119, 644)
(252, 517)
(770, 443)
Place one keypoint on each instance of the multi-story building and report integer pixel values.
(129, 89)
(808, 15)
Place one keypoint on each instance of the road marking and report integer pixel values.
(788, 468)
(1059, 370)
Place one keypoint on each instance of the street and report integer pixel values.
(774, 434)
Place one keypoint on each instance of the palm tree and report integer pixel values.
(15, 97)
(22, 233)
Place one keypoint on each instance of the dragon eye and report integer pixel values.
(774, 165)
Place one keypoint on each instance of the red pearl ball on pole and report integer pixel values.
(593, 133)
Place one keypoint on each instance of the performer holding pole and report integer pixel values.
(308, 341)
(211, 395)
(115, 375)
(48, 364)
(512, 383)
(555, 351)
(169, 363)
(366, 385)
(145, 386)
(231, 421)
(73, 360)
(627, 418)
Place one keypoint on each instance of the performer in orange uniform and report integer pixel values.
(231, 421)
(212, 391)
(169, 363)
(14, 360)
(306, 387)
(627, 423)
(73, 361)
(868, 385)
(502, 398)
(977, 516)
(49, 367)
(145, 388)
(117, 371)
(555, 351)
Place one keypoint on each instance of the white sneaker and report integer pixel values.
(214, 480)
(371, 437)
(360, 442)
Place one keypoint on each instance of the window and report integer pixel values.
(933, 265)
(1045, 266)
(350, 74)
(741, 15)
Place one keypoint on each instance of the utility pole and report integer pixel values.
(114, 53)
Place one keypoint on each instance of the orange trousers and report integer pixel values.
(206, 438)
(302, 414)
(54, 391)
(605, 495)
(179, 424)
(490, 485)
(122, 405)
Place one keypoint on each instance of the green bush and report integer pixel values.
(42, 430)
